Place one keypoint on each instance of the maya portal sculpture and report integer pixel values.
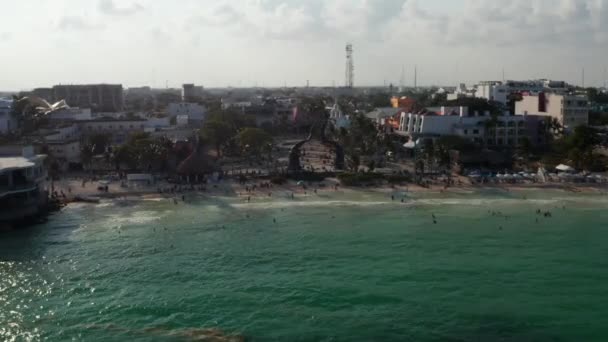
(38, 105)
(317, 132)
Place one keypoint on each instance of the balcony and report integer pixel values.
(6, 190)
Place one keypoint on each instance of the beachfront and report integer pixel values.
(75, 189)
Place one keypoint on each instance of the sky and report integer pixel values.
(242, 43)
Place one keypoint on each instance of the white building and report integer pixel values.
(23, 192)
(508, 130)
(499, 91)
(62, 133)
(119, 130)
(66, 151)
(72, 114)
(194, 111)
(339, 119)
(569, 110)
(240, 105)
(428, 124)
(461, 92)
(7, 122)
(493, 91)
(158, 123)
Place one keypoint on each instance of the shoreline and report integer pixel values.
(232, 189)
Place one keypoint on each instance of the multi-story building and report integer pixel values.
(569, 110)
(500, 91)
(7, 121)
(195, 112)
(192, 93)
(71, 114)
(461, 92)
(23, 192)
(503, 131)
(44, 93)
(66, 152)
(98, 97)
(119, 130)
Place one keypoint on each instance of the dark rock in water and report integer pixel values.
(193, 334)
(208, 335)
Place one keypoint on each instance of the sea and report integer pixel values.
(333, 266)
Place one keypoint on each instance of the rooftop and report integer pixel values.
(14, 163)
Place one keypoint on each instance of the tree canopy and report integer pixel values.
(254, 140)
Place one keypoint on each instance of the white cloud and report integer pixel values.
(255, 17)
(108, 7)
(76, 23)
(350, 17)
(502, 23)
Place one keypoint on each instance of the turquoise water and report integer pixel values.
(332, 268)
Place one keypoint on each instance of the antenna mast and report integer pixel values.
(350, 67)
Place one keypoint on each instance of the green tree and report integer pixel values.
(99, 143)
(354, 161)
(218, 133)
(143, 152)
(254, 140)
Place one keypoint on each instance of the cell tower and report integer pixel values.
(349, 80)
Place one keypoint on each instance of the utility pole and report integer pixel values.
(415, 76)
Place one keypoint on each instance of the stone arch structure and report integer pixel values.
(317, 132)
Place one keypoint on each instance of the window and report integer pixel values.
(475, 131)
(466, 132)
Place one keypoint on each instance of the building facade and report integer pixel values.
(192, 93)
(195, 112)
(98, 97)
(7, 122)
(569, 110)
(504, 131)
(23, 192)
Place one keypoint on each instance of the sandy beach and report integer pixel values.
(72, 189)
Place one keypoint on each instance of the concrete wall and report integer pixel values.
(193, 110)
(69, 151)
(569, 110)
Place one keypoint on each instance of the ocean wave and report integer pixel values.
(323, 203)
(412, 201)
(138, 217)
